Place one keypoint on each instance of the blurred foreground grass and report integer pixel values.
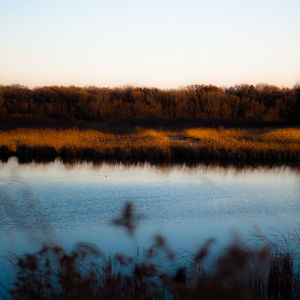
(85, 273)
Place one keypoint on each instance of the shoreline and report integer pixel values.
(251, 146)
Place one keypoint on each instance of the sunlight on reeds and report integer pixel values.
(254, 144)
(272, 144)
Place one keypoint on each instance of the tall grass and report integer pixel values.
(249, 144)
(199, 144)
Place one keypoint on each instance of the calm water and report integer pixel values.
(67, 204)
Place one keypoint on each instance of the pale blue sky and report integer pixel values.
(167, 44)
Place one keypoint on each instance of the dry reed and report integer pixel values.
(191, 144)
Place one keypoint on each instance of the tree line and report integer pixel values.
(196, 102)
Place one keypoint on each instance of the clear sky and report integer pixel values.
(162, 43)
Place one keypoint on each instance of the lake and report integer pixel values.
(65, 204)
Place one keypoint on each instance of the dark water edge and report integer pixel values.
(178, 155)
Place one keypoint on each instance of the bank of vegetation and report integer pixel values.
(194, 144)
(241, 103)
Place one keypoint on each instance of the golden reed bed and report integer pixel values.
(198, 143)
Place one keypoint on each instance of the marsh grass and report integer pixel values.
(249, 144)
(198, 144)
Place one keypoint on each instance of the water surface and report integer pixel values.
(69, 203)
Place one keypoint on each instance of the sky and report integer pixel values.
(155, 43)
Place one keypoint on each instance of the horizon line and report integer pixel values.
(126, 86)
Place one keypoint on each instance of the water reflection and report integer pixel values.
(144, 172)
